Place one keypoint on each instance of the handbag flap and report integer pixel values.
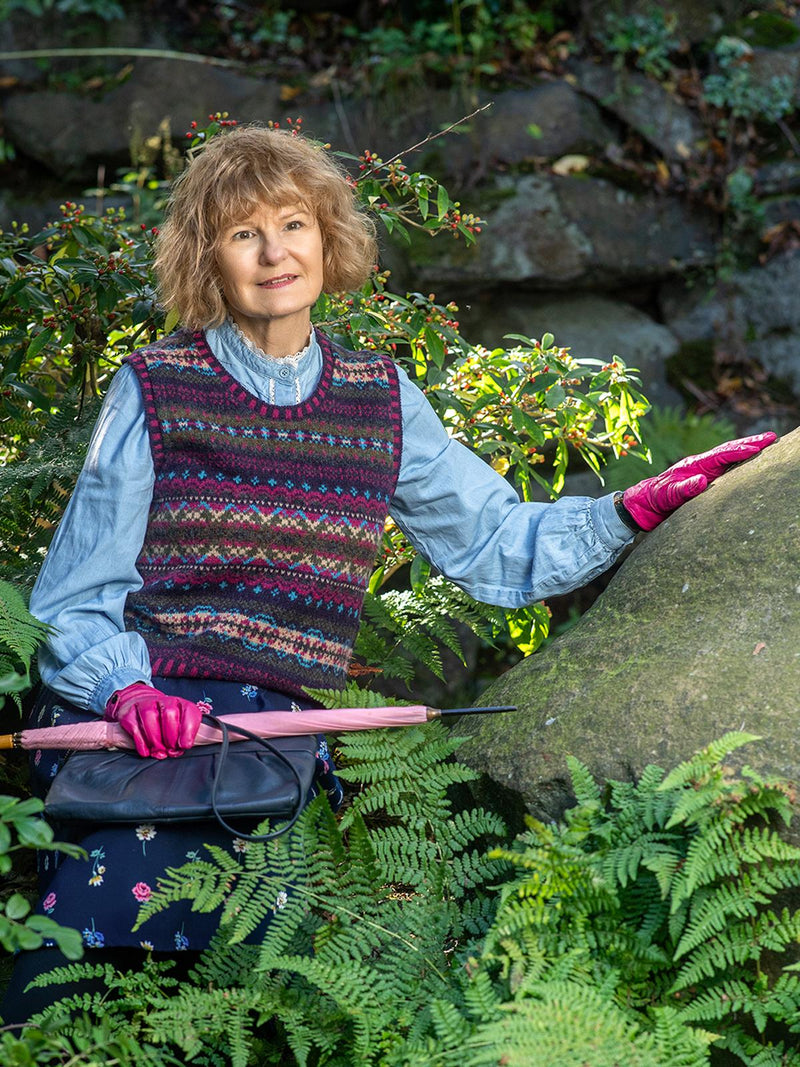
(120, 786)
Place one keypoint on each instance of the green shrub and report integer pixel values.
(647, 39)
(21, 828)
(734, 90)
(671, 435)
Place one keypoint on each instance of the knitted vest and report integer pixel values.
(265, 520)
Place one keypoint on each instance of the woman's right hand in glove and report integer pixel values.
(160, 725)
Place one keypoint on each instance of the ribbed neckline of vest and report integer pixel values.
(255, 403)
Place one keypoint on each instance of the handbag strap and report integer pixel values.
(225, 728)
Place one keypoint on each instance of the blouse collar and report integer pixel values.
(225, 342)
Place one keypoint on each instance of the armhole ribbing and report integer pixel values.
(139, 365)
(396, 416)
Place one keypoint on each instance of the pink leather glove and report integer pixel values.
(160, 725)
(652, 500)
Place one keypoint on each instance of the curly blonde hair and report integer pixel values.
(235, 173)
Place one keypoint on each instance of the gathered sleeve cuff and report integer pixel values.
(92, 678)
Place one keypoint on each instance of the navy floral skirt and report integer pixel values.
(101, 895)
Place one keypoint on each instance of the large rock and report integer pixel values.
(552, 232)
(68, 132)
(645, 105)
(22, 31)
(695, 19)
(755, 311)
(546, 121)
(635, 237)
(697, 634)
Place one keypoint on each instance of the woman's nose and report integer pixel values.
(273, 250)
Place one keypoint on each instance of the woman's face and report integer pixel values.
(270, 265)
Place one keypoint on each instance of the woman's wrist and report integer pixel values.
(624, 514)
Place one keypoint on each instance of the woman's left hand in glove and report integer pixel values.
(650, 501)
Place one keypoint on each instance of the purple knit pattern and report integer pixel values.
(265, 520)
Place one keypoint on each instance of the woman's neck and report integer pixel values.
(267, 345)
(272, 340)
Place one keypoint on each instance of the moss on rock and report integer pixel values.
(697, 634)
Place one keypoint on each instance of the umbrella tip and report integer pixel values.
(495, 710)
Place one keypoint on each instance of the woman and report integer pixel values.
(222, 532)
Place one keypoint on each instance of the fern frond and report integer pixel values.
(565, 1024)
(722, 853)
(584, 786)
(707, 761)
(73, 972)
(679, 1045)
(352, 696)
(477, 914)
(470, 871)
(718, 956)
(358, 993)
(35, 487)
(401, 629)
(784, 1001)
(466, 827)
(718, 1001)
(753, 1053)
(20, 635)
(651, 850)
(223, 965)
(744, 898)
(201, 881)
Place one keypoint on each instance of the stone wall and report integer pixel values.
(576, 241)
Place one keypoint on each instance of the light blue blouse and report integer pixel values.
(454, 508)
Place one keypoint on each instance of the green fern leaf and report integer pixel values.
(699, 767)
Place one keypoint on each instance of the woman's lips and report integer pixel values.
(278, 283)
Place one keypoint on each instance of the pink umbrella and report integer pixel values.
(100, 734)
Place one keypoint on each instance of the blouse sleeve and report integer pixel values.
(91, 565)
(471, 525)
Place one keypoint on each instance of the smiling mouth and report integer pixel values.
(277, 283)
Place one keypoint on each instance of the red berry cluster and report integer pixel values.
(396, 173)
(369, 161)
(629, 441)
(220, 118)
(456, 221)
(294, 125)
(71, 213)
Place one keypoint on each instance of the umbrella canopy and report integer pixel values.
(99, 734)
